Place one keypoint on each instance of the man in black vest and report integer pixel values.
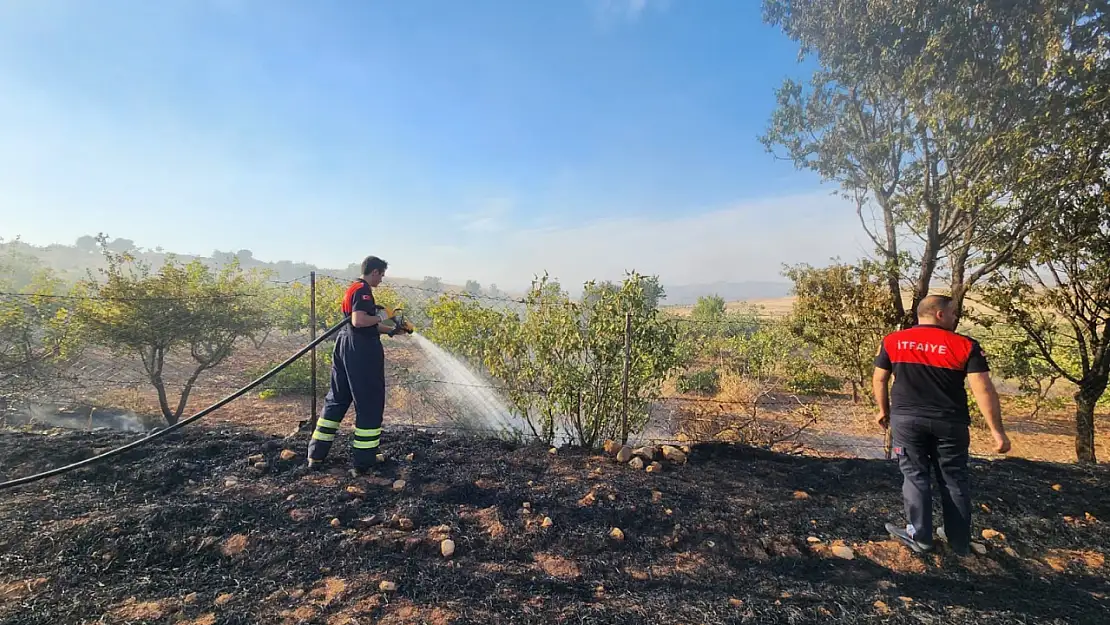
(927, 409)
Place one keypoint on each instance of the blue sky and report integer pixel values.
(480, 139)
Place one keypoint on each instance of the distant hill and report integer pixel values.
(74, 262)
(688, 294)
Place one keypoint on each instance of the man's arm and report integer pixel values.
(880, 380)
(880, 387)
(979, 379)
(987, 398)
(363, 319)
(364, 312)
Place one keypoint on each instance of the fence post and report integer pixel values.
(312, 325)
(624, 376)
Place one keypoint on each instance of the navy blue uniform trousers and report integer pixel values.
(927, 446)
(358, 376)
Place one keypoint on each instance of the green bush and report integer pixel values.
(705, 381)
(808, 380)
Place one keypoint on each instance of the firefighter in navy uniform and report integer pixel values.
(357, 372)
(928, 411)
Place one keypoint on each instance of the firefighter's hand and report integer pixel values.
(1001, 442)
(882, 420)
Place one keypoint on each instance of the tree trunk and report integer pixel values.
(890, 253)
(1089, 393)
(163, 401)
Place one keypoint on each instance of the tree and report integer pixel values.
(181, 308)
(920, 110)
(654, 291)
(1058, 288)
(709, 309)
(651, 356)
(222, 258)
(1061, 299)
(120, 245)
(292, 304)
(86, 243)
(561, 361)
(493, 291)
(843, 312)
(18, 268)
(431, 284)
(39, 334)
(472, 287)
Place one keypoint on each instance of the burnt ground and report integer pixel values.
(161, 535)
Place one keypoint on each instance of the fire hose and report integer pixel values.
(180, 424)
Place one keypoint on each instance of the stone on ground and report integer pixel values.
(636, 463)
(616, 534)
(624, 455)
(288, 454)
(447, 548)
(673, 454)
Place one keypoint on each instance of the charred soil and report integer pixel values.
(197, 528)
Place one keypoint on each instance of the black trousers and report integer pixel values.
(358, 376)
(923, 446)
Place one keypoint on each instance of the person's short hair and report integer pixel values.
(370, 263)
(932, 304)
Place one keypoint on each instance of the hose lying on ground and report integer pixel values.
(180, 424)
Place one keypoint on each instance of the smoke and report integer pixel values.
(79, 418)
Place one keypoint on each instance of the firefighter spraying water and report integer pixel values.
(358, 371)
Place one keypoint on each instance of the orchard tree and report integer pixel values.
(179, 309)
(842, 311)
(562, 362)
(291, 304)
(1060, 296)
(490, 339)
(654, 291)
(39, 333)
(919, 111)
(614, 314)
(709, 309)
(1058, 289)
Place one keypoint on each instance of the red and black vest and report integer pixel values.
(930, 366)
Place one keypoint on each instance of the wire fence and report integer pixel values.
(159, 372)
